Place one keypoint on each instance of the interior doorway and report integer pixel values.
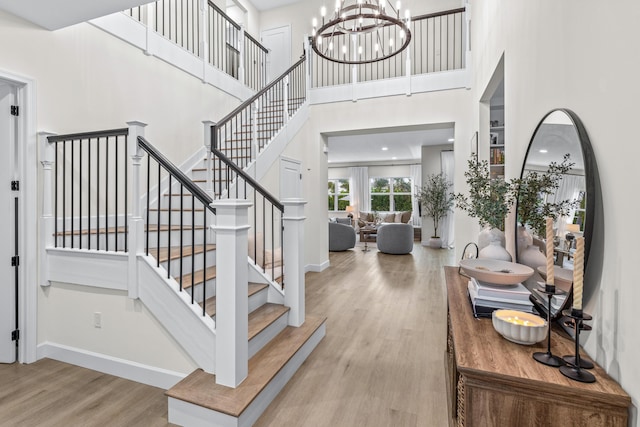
(9, 215)
(278, 41)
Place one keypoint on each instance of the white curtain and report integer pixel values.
(569, 189)
(446, 225)
(416, 178)
(359, 191)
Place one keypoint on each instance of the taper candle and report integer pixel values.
(550, 273)
(578, 273)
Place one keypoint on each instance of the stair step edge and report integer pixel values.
(200, 388)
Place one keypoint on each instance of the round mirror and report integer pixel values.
(560, 150)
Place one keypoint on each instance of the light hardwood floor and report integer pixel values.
(380, 364)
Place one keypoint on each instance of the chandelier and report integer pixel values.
(361, 32)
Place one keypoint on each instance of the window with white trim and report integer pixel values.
(390, 194)
(338, 194)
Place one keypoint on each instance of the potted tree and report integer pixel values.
(489, 200)
(436, 201)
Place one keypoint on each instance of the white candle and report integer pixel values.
(578, 273)
(550, 273)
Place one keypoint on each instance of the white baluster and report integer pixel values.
(209, 156)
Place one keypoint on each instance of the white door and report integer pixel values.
(290, 179)
(278, 41)
(8, 203)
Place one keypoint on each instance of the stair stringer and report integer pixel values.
(256, 275)
(274, 148)
(173, 309)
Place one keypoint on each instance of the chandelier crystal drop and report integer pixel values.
(366, 30)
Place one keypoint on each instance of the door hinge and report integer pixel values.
(15, 185)
(15, 110)
(15, 261)
(15, 335)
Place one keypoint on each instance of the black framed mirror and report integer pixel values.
(561, 133)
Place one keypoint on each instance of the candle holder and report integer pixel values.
(575, 370)
(570, 359)
(542, 357)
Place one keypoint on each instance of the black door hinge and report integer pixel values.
(15, 185)
(15, 110)
(15, 261)
(15, 335)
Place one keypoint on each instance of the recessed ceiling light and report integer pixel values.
(451, 139)
(394, 158)
(385, 148)
(543, 151)
(328, 161)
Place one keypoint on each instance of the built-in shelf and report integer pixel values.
(496, 128)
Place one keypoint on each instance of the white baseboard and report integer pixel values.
(145, 374)
(316, 268)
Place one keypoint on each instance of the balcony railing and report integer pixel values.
(437, 44)
(209, 34)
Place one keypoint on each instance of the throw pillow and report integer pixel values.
(390, 217)
(406, 216)
(398, 217)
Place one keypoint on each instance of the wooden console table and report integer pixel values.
(494, 382)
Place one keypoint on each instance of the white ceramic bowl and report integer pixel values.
(519, 327)
(496, 272)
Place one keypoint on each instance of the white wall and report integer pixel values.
(129, 331)
(577, 55)
(89, 80)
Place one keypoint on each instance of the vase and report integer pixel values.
(532, 257)
(490, 234)
(435, 242)
(494, 250)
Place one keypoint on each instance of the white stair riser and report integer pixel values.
(199, 292)
(175, 238)
(258, 299)
(187, 217)
(187, 261)
(267, 334)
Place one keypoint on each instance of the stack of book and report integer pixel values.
(485, 297)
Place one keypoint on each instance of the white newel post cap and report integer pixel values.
(47, 153)
(294, 209)
(231, 214)
(136, 129)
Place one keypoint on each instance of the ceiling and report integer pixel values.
(403, 144)
(56, 14)
(271, 4)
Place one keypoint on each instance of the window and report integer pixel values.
(338, 194)
(390, 194)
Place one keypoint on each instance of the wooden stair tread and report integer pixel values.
(200, 388)
(188, 280)
(264, 316)
(211, 302)
(175, 251)
(165, 227)
(176, 209)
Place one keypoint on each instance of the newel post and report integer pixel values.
(232, 276)
(47, 159)
(241, 64)
(293, 257)
(285, 99)
(136, 225)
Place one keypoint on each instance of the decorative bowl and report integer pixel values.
(519, 327)
(496, 272)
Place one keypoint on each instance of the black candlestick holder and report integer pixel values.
(575, 371)
(542, 357)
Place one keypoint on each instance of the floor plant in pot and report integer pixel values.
(436, 200)
(489, 200)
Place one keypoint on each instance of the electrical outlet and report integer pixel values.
(97, 319)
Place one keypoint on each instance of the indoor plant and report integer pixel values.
(489, 200)
(436, 200)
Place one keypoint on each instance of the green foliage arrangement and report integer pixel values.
(532, 191)
(489, 200)
(436, 199)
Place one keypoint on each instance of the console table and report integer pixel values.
(494, 382)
